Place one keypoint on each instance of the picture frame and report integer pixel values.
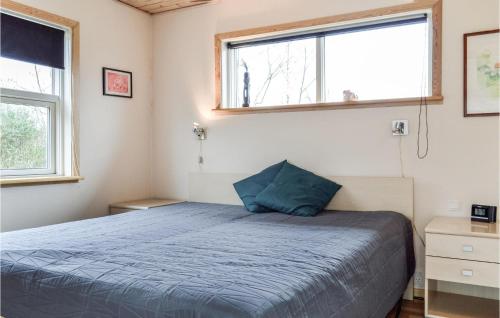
(481, 74)
(116, 83)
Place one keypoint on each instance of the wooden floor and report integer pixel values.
(410, 309)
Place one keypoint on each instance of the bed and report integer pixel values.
(211, 260)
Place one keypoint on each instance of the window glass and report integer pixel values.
(278, 73)
(24, 136)
(377, 64)
(365, 60)
(26, 76)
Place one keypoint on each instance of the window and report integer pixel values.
(381, 63)
(29, 104)
(35, 98)
(392, 59)
(279, 74)
(28, 136)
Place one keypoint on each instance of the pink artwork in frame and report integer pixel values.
(117, 83)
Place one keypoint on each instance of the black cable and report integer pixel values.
(423, 102)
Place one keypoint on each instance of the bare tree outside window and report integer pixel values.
(280, 73)
(25, 76)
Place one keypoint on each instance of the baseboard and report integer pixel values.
(418, 293)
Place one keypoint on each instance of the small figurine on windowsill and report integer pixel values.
(350, 96)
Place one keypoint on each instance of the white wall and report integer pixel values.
(115, 133)
(463, 164)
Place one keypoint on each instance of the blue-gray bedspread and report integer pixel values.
(208, 260)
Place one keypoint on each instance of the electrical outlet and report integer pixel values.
(400, 127)
(419, 280)
(454, 206)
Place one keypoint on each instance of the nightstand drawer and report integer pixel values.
(461, 271)
(463, 247)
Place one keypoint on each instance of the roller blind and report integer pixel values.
(357, 27)
(31, 42)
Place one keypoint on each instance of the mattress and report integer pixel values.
(209, 260)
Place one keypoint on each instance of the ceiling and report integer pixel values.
(157, 6)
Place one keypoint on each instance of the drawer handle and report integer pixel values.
(467, 248)
(467, 272)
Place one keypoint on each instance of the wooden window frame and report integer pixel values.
(73, 174)
(436, 98)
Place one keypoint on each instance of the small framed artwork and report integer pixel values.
(116, 83)
(481, 74)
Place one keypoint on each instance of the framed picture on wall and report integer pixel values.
(481, 74)
(116, 83)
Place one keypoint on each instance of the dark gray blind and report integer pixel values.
(31, 42)
(413, 19)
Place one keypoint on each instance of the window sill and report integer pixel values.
(31, 181)
(433, 100)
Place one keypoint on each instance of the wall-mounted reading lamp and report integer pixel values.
(200, 132)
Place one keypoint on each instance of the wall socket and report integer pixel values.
(454, 206)
(419, 280)
(400, 127)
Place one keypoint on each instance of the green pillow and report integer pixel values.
(248, 188)
(297, 191)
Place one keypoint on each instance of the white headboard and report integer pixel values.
(357, 193)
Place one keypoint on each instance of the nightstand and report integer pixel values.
(144, 204)
(465, 255)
